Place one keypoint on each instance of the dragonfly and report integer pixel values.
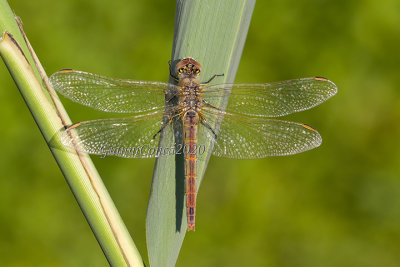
(244, 128)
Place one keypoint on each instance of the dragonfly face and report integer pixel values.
(188, 67)
(243, 130)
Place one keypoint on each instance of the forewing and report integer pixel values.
(243, 137)
(130, 137)
(271, 99)
(112, 95)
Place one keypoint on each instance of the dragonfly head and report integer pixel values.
(188, 66)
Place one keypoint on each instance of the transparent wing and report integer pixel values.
(129, 137)
(109, 94)
(271, 99)
(243, 137)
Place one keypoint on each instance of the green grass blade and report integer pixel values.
(212, 32)
(79, 171)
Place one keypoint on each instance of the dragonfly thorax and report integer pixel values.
(191, 102)
(189, 84)
(190, 98)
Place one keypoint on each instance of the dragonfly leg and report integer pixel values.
(205, 102)
(161, 129)
(166, 124)
(208, 126)
(212, 78)
(171, 73)
(172, 97)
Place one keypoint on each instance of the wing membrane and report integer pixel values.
(244, 130)
(243, 137)
(109, 94)
(129, 137)
(271, 99)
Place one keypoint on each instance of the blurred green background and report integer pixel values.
(337, 205)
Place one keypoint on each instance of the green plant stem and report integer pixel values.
(212, 32)
(78, 169)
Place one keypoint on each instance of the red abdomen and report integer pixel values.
(190, 122)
